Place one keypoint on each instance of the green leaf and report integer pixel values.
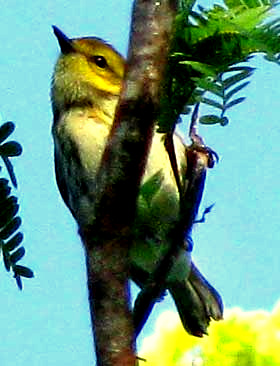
(247, 69)
(17, 255)
(198, 17)
(9, 224)
(235, 90)
(212, 102)
(11, 148)
(13, 242)
(18, 281)
(6, 259)
(230, 81)
(151, 187)
(10, 228)
(5, 190)
(235, 102)
(210, 86)
(10, 170)
(210, 119)
(5, 130)
(202, 68)
(7, 202)
(23, 271)
(9, 211)
(271, 58)
(213, 42)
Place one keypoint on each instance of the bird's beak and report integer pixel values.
(65, 43)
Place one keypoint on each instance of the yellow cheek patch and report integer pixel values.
(104, 83)
(107, 79)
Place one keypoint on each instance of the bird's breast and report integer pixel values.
(84, 133)
(87, 130)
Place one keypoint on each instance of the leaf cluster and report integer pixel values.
(210, 54)
(10, 237)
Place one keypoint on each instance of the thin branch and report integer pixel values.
(108, 238)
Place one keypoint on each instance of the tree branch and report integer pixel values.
(107, 240)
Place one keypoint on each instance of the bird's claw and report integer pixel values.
(212, 156)
(197, 141)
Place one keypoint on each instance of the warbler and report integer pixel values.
(85, 89)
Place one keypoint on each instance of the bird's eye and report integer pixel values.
(100, 61)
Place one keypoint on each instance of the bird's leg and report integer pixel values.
(197, 141)
(196, 145)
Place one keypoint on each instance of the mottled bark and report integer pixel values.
(107, 239)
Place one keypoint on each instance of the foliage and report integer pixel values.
(209, 55)
(244, 338)
(10, 238)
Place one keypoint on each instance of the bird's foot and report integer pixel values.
(198, 144)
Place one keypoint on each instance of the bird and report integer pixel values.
(85, 90)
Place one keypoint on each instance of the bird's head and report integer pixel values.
(88, 72)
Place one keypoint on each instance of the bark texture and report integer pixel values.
(107, 240)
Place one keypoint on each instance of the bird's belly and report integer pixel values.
(88, 135)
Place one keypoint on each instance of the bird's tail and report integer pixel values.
(197, 302)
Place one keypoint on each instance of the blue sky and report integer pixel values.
(237, 249)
